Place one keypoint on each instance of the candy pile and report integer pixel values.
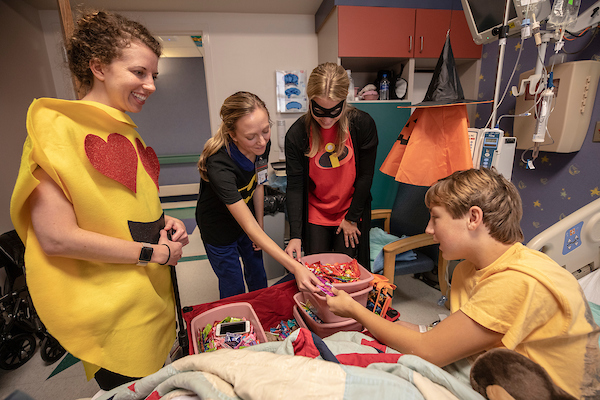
(336, 273)
(285, 328)
(209, 341)
(311, 311)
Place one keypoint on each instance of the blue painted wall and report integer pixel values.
(561, 182)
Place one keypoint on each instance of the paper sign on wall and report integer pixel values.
(291, 91)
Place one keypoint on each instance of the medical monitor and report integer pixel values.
(485, 17)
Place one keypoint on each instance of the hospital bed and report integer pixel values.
(574, 243)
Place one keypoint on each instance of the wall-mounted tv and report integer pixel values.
(485, 17)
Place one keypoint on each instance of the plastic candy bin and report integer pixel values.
(236, 310)
(298, 318)
(331, 258)
(320, 302)
(327, 328)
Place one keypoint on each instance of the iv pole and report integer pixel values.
(502, 43)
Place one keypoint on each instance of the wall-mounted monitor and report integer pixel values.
(485, 17)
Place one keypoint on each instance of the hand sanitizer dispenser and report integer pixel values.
(281, 138)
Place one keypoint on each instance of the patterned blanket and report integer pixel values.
(347, 365)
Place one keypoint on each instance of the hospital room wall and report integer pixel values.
(242, 52)
(25, 73)
(561, 182)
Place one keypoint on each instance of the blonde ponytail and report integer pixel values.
(234, 107)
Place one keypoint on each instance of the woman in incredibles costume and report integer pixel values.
(233, 168)
(86, 206)
(330, 159)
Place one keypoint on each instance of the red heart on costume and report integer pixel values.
(149, 160)
(116, 158)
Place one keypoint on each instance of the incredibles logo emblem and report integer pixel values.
(327, 159)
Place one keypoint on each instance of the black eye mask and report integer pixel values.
(332, 112)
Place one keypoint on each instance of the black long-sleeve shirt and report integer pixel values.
(363, 134)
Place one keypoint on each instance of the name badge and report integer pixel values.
(261, 166)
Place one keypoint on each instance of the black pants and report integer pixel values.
(322, 239)
(108, 380)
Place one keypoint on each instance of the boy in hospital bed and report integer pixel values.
(503, 294)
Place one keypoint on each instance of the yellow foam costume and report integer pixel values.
(120, 317)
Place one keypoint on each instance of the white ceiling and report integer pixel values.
(306, 7)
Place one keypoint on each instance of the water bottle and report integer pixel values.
(351, 86)
(384, 88)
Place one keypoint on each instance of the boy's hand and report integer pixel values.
(342, 304)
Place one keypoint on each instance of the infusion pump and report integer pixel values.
(490, 148)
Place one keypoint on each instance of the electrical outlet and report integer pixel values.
(596, 137)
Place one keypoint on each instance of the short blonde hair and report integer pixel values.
(328, 81)
(486, 188)
(234, 107)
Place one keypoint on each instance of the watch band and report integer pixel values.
(145, 254)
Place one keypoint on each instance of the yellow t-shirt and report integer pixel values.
(116, 316)
(541, 310)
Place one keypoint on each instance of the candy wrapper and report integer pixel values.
(336, 272)
(284, 329)
(380, 297)
(326, 286)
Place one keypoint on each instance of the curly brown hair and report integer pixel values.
(101, 35)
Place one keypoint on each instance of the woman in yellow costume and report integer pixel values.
(86, 205)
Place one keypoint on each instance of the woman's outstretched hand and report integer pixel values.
(306, 280)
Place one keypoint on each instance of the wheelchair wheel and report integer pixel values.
(17, 351)
(50, 350)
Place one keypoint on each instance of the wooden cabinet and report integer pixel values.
(402, 32)
(431, 27)
(368, 39)
(375, 31)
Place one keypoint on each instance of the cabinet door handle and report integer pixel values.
(421, 44)
(410, 44)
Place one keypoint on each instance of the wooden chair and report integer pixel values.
(409, 217)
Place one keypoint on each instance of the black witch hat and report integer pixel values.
(445, 88)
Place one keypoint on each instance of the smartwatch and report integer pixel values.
(145, 254)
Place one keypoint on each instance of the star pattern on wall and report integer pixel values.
(537, 204)
(518, 46)
(595, 192)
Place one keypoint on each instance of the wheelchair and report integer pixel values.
(20, 326)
